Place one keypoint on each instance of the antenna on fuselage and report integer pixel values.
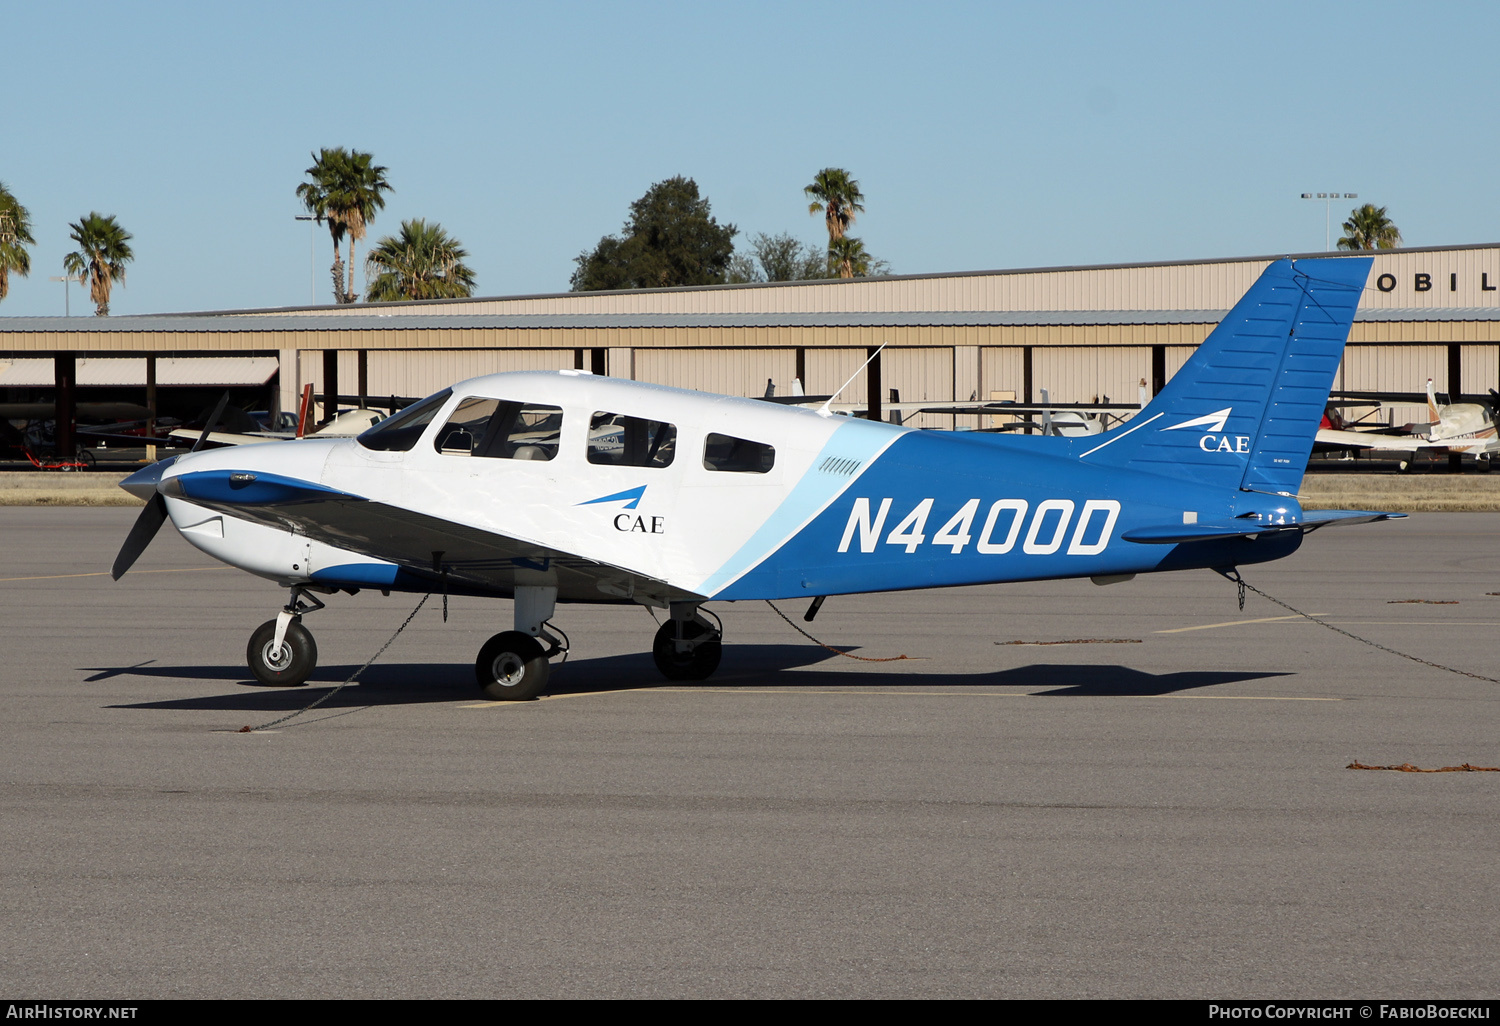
(824, 410)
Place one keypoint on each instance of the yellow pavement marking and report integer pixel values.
(105, 573)
(1233, 623)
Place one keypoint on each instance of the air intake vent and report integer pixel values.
(839, 465)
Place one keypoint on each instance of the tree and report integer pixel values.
(15, 236)
(1369, 228)
(777, 258)
(670, 239)
(103, 251)
(346, 190)
(837, 197)
(848, 258)
(784, 258)
(422, 262)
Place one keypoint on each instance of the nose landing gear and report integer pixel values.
(282, 652)
(688, 647)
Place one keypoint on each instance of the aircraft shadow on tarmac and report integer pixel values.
(745, 666)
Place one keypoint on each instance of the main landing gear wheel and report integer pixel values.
(698, 663)
(512, 667)
(287, 667)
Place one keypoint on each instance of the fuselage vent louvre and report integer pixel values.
(839, 465)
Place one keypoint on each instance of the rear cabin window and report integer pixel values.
(616, 440)
(400, 432)
(501, 429)
(737, 455)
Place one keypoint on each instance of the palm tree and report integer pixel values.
(422, 262)
(836, 196)
(15, 236)
(102, 254)
(848, 258)
(346, 190)
(1369, 228)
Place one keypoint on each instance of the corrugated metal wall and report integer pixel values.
(919, 375)
(1481, 369)
(1076, 375)
(725, 371)
(1002, 370)
(1176, 357)
(827, 369)
(419, 374)
(1400, 279)
(1394, 369)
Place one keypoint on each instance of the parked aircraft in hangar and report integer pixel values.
(550, 488)
(1465, 428)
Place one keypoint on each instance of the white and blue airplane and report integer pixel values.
(566, 487)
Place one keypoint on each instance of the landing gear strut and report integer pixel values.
(512, 666)
(282, 652)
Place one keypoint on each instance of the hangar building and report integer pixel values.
(1080, 332)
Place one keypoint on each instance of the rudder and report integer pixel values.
(1244, 409)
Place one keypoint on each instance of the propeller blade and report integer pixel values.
(213, 422)
(146, 526)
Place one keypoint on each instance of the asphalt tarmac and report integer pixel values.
(1160, 808)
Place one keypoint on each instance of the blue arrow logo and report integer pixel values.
(631, 497)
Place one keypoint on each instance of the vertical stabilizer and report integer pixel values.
(1244, 409)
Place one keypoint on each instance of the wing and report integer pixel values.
(1375, 440)
(428, 548)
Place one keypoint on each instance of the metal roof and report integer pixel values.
(429, 304)
(437, 321)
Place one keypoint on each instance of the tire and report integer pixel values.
(289, 668)
(699, 664)
(512, 667)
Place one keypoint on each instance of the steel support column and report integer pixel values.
(872, 384)
(65, 414)
(151, 406)
(330, 383)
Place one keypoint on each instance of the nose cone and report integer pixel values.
(142, 484)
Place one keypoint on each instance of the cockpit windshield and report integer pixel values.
(400, 433)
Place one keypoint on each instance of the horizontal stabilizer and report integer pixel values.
(1316, 518)
(1214, 530)
(1218, 530)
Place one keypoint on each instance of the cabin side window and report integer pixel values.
(501, 429)
(737, 455)
(616, 440)
(400, 432)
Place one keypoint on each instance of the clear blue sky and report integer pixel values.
(984, 135)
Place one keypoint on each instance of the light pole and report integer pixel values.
(312, 256)
(65, 279)
(1328, 198)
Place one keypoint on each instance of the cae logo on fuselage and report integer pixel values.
(632, 524)
(1225, 443)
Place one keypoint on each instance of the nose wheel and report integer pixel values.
(287, 665)
(282, 652)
